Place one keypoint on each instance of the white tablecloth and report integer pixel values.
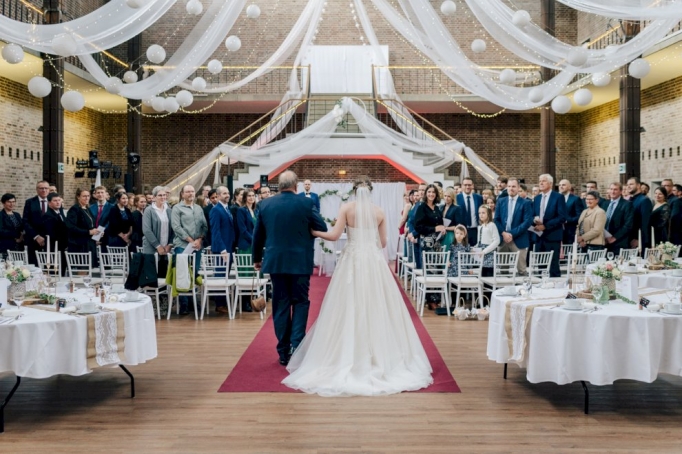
(42, 344)
(657, 279)
(617, 342)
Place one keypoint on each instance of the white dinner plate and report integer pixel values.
(572, 308)
(82, 312)
(124, 300)
(671, 313)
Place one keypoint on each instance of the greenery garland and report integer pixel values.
(344, 196)
(325, 249)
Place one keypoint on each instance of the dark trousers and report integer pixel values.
(221, 301)
(472, 236)
(290, 305)
(591, 247)
(546, 246)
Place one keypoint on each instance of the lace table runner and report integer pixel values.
(106, 339)
(516, 319)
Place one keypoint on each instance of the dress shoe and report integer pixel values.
(284, 360)
(222, 310)
(184, 311)
(246, 307)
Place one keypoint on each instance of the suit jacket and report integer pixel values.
(642, 208)
(222, 228)
(503, 193)
(522, 218)
(79, 224)
(207, 212)
(314, 197)
(592, 223)
(620, 224)
(33, 218)
(151, 230)
(104, 218)
(603, 203)
(245, 226)
(555, 216)
(676, 221)
(116, 222)
(456, 215)
(54, 226)
(574, 208)
(283, 228)
(478, 201)
(9, 233)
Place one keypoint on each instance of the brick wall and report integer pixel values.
(327, 170)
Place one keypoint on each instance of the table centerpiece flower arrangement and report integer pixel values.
(668, 252)
(609, 274)
(17, 276)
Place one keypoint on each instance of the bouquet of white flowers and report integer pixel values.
(608, 270)
(17, 274)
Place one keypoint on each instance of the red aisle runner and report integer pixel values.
(258, 370)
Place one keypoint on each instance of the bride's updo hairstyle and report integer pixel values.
(360, 181)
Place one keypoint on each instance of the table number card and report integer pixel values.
(571, 296)
(628, 287)
(644, 302)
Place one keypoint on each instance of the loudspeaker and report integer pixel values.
(93, 162)
(263, 180)
(128, 182)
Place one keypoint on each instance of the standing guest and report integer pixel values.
(660, 216)
(535, 191)
(246, 221)
(667, 184)
(592, 186)
(549, 209)
(677, 190)
(53, 188)
(645, 188)
(222, 228)
(140, 203)
(283, 228)
(619, 219)
(583, 195)
(675, 235)
(454, 214)
(11, 227)
(212, 201)
(81, 225)
(523, 191)
(131, 201)
(101, 209)
(502, 187)
(150, 198)
(642, 208)
(487, 193)
(471, 202)
(574, 208)
(54, 228)
(591, 225)
(428, 221)
(488, 240)
(307, 193)
(237, 199)
(201, 201)
(513, 217)
(157, 233)
(204, 192)
(412, 234)
(491, 201)
(458, 188)
(34, 208)
(263, 193)
(189, 226)
(120, 222)
(409, 203)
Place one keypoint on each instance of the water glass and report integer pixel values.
(86, 280)
(18, 297)
(597, 293)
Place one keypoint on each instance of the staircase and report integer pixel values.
(319, 106)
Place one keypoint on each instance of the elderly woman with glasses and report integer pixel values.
(591, 224)
(156, 224)
(11, 227)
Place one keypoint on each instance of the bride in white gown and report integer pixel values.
(363, 342)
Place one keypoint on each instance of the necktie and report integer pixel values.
(229, 215)
(609, 212)
(43, 208)
(99, 214)
(543, 204)
(470, 222)
(510, 213)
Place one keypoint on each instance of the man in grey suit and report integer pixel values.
(283, 229)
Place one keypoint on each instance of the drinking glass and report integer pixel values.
(18, 297)
(528, 284)
(597, 293)
(609, 256)
(106, 284)
(86, 280)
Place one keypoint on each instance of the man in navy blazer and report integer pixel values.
(549, 208)
(33, 218)
(221, 225)
(311, 195)
(619, 218)
(574, 208)
(283, 228)
(101, 215)
(514, 229)
(471, 202)
(642, 208)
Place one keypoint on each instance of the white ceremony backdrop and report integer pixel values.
(389, 196)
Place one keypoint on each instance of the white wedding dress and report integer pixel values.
(363, 342)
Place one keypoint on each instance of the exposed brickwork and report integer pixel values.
(327, 170)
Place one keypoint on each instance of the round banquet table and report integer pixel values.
(646, 278)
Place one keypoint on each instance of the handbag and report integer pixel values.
(258, 304)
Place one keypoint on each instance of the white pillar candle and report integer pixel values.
(48, 249)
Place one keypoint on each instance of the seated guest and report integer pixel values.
(460, 244)
(81, 225)
(120, 222)
(246, 221)
(591, 224)
(140, 203)
(157, 233)
(11, 227)
(54, 227)
(660, 216)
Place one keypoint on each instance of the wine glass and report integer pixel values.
(597, 293)
(528, 284)
(86, 280)
(609, 256)
(18, 297)
(106, 286)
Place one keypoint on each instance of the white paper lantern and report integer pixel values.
(215, 66)
(135, 4)
(561, 104)
(73, 101)
(171, 105)
(148, 102)
(184, 98)
(601, 79)
(159, 104)
(508, 76)
(199, 83)
(521, 18)
(478, 46)
(233, 43)
(448, 8)
(577, 56)
(39, 86)
(113, 85)
(639, 68)
(535, 94)
(253, 12)
(130, 77)
(582, 97)
(12, 53)
(156, 54)
(64, 45)
(194, 7)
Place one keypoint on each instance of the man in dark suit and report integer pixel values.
(619, 218)
(32, 219)
(502, 187)
(101, 209)
(53, 226)
(222, 228)
(283, 227)
(513, 217)
(676, 216)
(574, 208)
(602, 202)
(641, 207)
(471, 202)
(549, 208)
(212, 201)
(311, 195)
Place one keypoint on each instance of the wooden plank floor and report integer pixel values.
(177, 408)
